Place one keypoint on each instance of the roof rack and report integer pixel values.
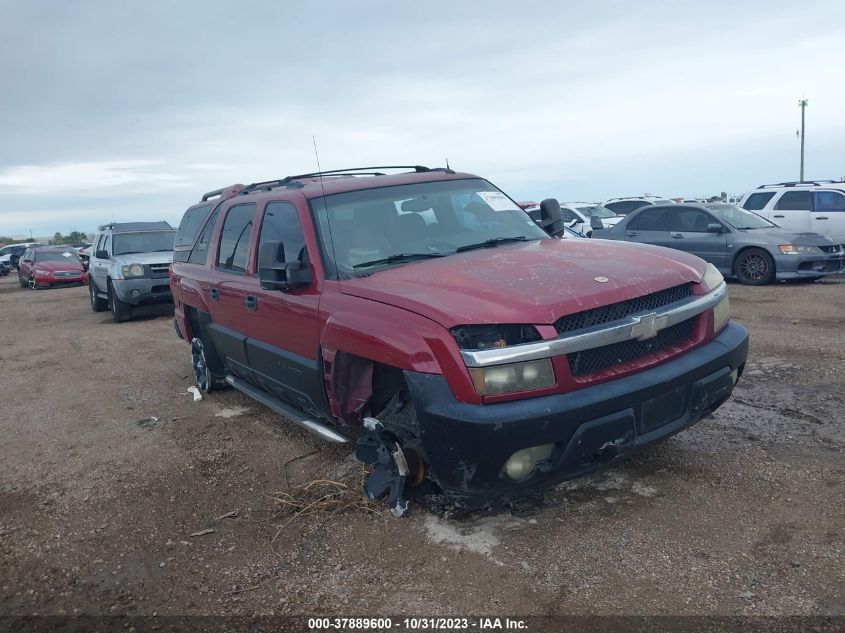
(137, 227)
(225, 192)
(800, 183)
(351, 171)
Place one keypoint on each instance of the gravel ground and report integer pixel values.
(109, 470)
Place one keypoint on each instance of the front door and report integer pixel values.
(98, 267)
(283, 337)
(231, 289)
(690, 234)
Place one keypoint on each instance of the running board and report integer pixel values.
(318, 428)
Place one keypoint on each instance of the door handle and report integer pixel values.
(215, 294)
(631, 233)
(677, 236)
(251, 302)
(780, 216)
(821, 217)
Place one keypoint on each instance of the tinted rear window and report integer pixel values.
(190, 225)
(757, 201)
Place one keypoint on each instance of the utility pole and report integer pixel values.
(803, 104)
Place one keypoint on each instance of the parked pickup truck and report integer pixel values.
(471, 355)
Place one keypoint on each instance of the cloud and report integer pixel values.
(88, 178)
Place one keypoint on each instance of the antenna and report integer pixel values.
(323, 188)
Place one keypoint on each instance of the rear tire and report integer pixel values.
(98, 304)
(208, 371)
(120, 310)
(22, 282)
(754, 267)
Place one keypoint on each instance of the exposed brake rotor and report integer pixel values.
(380, 449)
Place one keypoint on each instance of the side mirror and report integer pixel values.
(595, 222)
(551, 216)
(572, 223)
(102, 255)
(276, 274)
(714, 227)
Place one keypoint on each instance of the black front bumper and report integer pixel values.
(466, 445)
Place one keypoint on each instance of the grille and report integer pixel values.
(831, 248)
(596, 359)
(616, 311)
(159, 270)
(67, 273)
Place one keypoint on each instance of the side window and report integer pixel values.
(618, 208)
(795, 201)
(99, 245)
(757, 201)
(234, 239)
(657, 219)
(199, 253)
(107, 244)
(829, 201)
(281, 224)
(190, 225)
(568, 216)
(693, 220)
(636, 204)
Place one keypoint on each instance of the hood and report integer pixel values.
(536, 282)
(162, 257)
(775, 236)
(70, 264)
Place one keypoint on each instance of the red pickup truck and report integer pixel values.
(424, 314)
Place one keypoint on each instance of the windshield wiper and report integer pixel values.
(495, 241)
(398, 257)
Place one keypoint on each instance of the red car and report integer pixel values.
(425, 313)
(51, 266)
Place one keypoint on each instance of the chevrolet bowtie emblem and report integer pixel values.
(647, 326)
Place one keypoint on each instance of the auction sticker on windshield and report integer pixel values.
(497, 201)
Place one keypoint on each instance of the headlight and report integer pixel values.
(797, 249)
(135, 270)
(712, 277)
(38, 271)
(472, 337)
(499, 379)
(721, 314)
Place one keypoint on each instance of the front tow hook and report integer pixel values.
(380, 449)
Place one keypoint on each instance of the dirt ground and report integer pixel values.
(108, 467)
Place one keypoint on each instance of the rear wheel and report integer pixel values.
(22, 282)
(207, 369)
(755, 267)
(98, 304)
(120, 310)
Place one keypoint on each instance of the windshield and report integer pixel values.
(56, 256)
(739, 218)
(146, 242)
(599, 212)
(364, 230)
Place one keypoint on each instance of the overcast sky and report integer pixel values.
(131, 110)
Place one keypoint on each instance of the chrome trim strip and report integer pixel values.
(640, 326)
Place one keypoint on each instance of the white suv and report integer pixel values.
(815, 206)
(624, 206)
(578, 216)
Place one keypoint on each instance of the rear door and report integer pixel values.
(828, 216)
(792, 211)
(650, 226)
(230, 287)
(283, 329)
(690, 234)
